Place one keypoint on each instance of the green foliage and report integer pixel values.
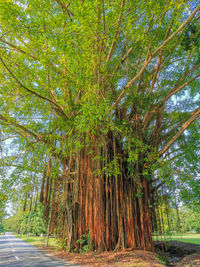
(112, 168)
(13, 223)
(1, 228)
(38, 226)
(191, 37)
(84, 243)
(20, 222)
(62, 244)
(190, 218)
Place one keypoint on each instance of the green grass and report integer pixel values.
(188, 238)
(39, 241)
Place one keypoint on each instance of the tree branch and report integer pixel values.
(32, 92)
(176, 89)
(149, 113)
(6, 138)
(117, 32)
(194, 115)
(65, 8)
(18, 49)
(38, 138)
(177, 31)
(149, 58)
(11, 121)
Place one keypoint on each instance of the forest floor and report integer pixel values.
(177, 253)
(126, 258)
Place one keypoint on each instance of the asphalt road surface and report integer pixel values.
(14, 252)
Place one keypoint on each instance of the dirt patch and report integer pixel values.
(190, 261)
(126, 258)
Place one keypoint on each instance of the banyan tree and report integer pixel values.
(109, 89)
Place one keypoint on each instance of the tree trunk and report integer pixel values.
(101, 201)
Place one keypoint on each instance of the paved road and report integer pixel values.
(16, 253)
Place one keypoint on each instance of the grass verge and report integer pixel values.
(187, 238)
(38, 241)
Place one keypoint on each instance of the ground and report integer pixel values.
(126, 258)
(181, 253)
(178, 253)
(190, 261)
